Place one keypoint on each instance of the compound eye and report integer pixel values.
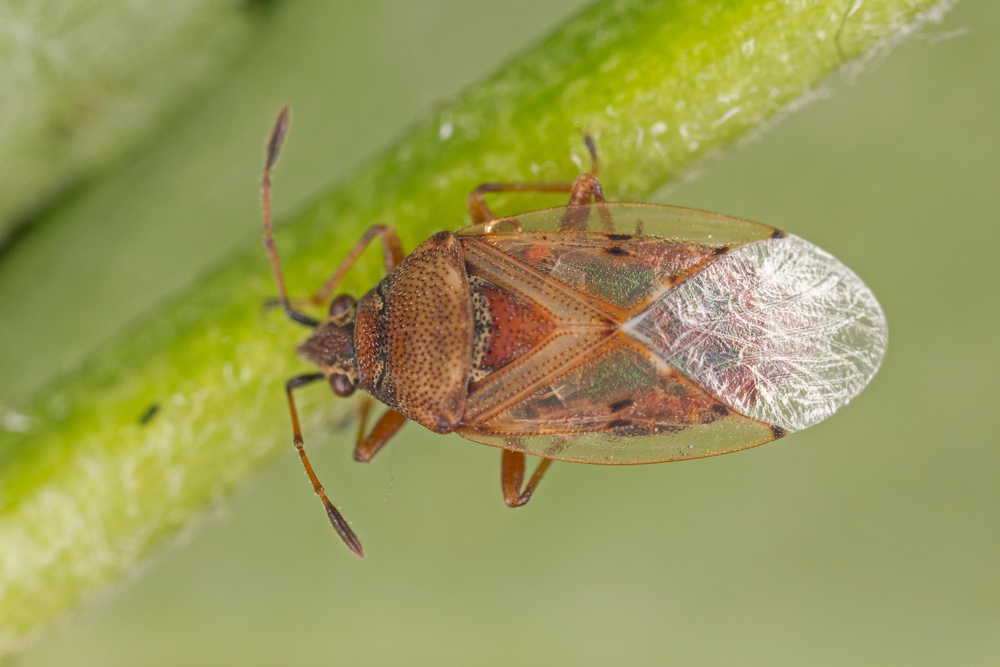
(341, 385)
(341, 305)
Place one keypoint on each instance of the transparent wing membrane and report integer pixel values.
(780, 330)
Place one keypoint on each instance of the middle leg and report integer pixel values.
(582, 190)
(512, 474)
(480, 212)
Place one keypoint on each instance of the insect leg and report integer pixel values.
(512, 474)
(585, 188)
(392, 252)
(273, 150)
(386, 427)
(338, 522)
(480, 212)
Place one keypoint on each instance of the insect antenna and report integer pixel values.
(336, 519)
(273, 150)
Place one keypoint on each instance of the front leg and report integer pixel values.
(512, 474)
(392, 255)
(386, 427)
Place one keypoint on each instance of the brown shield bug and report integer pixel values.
(596, 332)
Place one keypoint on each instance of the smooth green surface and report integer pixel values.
(83, 81)
(869, 539)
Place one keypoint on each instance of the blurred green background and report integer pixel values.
(869, 539)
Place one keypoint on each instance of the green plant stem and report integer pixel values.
(86, 491)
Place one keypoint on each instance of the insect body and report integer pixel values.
(597, 332)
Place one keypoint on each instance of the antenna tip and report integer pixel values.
(277, 137)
